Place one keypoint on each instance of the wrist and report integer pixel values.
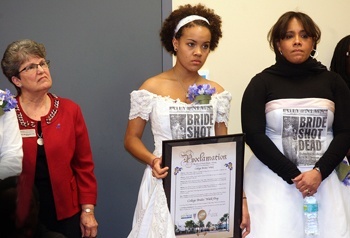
(88, 210)
(154, 161)
(317, 169)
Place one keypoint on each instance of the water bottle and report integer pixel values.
(311, 217)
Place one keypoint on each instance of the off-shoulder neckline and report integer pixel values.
(172, 99)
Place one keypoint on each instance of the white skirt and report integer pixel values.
(152, 217)
(276, 208)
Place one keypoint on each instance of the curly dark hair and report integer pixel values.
(279, 29)
(340, 56)
(169, 25)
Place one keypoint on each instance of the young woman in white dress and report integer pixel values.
(189, 33)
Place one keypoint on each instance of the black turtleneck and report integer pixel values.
(285, 80)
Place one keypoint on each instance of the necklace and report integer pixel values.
(182, 86)
(40, 140)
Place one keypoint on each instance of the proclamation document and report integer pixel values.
(203, 182)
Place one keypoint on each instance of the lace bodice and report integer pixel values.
(171, 119)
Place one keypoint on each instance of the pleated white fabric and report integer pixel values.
(152, 218)
(276, 207)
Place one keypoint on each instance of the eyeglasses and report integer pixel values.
(34, 67)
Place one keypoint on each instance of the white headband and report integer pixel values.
(189, 19)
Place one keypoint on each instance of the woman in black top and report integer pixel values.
(296, 118)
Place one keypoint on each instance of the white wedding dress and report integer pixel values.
(275, 207)
(169, 120)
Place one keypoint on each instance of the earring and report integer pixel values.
(315, 54)
(347, 53)
(281, 53)
(175, 49)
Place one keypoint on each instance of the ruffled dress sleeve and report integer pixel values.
(141, 103)
(222, 102)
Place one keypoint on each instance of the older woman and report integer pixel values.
(296, 118)
(57, 154)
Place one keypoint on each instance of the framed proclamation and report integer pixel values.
(205, 184)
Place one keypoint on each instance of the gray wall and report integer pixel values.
(100, 51)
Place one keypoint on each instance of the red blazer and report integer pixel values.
(68, 154)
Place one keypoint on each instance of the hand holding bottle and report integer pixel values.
(308, 182)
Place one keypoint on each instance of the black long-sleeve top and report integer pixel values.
(285, 80)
